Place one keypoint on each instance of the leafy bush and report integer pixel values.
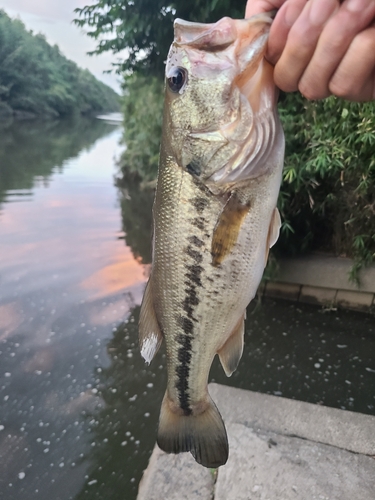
(143, 108)
(327, 198)
(328, 193)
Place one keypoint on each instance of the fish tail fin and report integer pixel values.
(202, 432)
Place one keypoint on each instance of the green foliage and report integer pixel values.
(142, 107)
(36, 79)
(327, 197)
(145, 27)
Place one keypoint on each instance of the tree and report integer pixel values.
(145, 27)
(35, 78)
(327, 198)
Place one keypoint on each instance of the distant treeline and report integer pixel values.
(37, 80)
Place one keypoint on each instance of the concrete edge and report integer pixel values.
(179, 477)
(322, 280)
(344, 429)
(175, 477)
(327, 297)
(324, 271)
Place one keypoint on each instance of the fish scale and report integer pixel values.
(211, 237)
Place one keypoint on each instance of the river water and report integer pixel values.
(78, 407)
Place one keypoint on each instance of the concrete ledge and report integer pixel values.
(322, 280)
(354, 300)
(324, 271)
(343, 429)
(175, 477)
(279, 449)
(318, 295)
(277, 290)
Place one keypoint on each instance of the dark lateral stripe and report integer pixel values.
(182, 372)
(194, 240)
(183, 368)
(187, 321)
(200, 203)
(198, 222)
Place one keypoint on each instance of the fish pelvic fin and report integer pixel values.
(202, 432)
(231, 352)
(150, 336)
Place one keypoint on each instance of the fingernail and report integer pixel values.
(321, 10)
(356, 5)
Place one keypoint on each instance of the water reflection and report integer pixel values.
(78, 406)
(303, 352)
(31, 151)
(136, 213)
(66, 281)
(299, 352)
(122, 433)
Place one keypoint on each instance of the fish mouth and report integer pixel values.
(218, 36)
(237, 44)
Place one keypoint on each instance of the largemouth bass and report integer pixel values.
(215, 218)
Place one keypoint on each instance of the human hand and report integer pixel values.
(322, 47)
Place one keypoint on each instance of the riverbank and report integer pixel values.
(279, 449)
(322, 279)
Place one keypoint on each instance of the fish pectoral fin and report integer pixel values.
(150, 336)
(227, 228)
(231, 352)
(213, 136)
(273, 232)
(202, 433)
(274, 229)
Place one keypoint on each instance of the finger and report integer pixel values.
(258, 6)
(335, 39)
(354, 79)
(284, 20)
(302, 40)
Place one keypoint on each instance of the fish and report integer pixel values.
(214, 219)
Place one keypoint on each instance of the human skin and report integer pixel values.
(322, 47)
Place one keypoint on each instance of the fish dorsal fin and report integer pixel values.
(273, 232)
(231, 352)
(227, 228)
(150, 336)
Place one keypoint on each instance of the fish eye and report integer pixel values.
(177, 80)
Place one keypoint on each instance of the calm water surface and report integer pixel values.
(78, 407)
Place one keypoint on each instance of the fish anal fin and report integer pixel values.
(231, 352)
(202, 432)
(273, 232)
(150, 336)
(227, 228)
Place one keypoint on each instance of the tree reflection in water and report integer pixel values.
(136, 212)
(31, 151)
(123, 432)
